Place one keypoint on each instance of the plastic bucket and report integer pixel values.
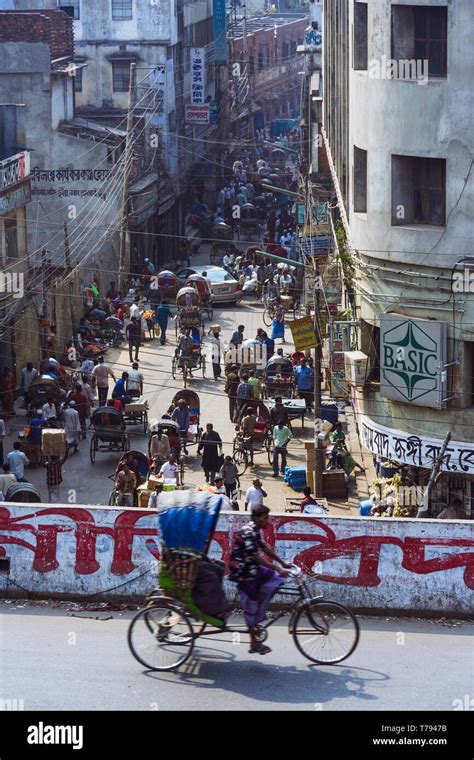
(365, 507)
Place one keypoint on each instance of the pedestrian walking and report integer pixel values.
(72, 425)
(101, 374)
(28, 374)
(81, 405)
(255, 495)
(216, 355)
(54, 478)
(305, 383)
(134, 334)
(244, 392)
(163, 314)
(256, 385)
(49, 413)
(135, 381)
(230, 388)
(211, 447)
(230, 478)
(281, 437)
(125, 485)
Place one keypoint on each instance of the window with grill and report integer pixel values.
(360, 180)
(78, 79)
(121, 76)
(71, 7)
(121, 9)
(419, 34)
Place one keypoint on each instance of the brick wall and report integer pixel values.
(51, 26)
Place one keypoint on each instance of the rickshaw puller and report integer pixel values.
(257, 578)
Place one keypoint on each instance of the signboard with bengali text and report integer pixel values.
(303, 333)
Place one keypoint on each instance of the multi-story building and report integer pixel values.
(398, 118)
(75, 196)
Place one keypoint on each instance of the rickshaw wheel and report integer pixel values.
(203, 364)
(161, 636)
(112, 499)
(93, 449)
(210, 313)
(241, 461)
(270, 446)
(181, 472)
(268, 317)
(126, 443)
(174, 365)
(145, 422)
(185, 374)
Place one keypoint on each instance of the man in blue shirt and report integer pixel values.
(119, 391)
(17, 461)
(305, 383)
(181, 416)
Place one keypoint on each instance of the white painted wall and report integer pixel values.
(366, 563)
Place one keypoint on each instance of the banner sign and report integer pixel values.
(198, 114)
(14, 169)
(220, 31)
(198, 71)
(302, 331)
(412, 358)
(415, 450)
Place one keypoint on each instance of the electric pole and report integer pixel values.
(425, 510)
(318, 450)
(124, 242)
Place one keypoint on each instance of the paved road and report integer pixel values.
(54, 661)
(89, 484)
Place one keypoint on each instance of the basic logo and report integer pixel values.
(410, 360)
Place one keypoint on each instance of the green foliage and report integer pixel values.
(344, 256)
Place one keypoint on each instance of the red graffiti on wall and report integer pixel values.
(364, 551)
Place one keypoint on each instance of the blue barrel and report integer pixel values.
(329, 412)
(364, 508)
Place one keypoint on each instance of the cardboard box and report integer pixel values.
(53, 443)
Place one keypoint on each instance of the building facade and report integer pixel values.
(398, 110)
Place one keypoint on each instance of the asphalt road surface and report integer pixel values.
(55, 659)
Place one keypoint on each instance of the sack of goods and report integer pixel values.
(53, 443)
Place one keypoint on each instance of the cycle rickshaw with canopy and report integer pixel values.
(244, 447)
(194, 407)
(222, 236)
(189, 313)
(279, 377)
(109, 431)
(198, 360)
(163, 634)
(248, 222)
(204, 291)
(138, 463)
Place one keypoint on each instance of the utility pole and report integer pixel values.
(124, 242)
(425, 510)
(318, 450)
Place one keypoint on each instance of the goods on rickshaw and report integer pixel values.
(42, 388)
(109, 431)
(169, 285)
(53, 443)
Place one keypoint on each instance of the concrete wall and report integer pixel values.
(368, 563)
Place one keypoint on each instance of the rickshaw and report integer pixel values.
(198, 359)
(260, 205)
(42, 388)
(162, 635)
(194, 407)
(109, 431)
(136, 412)
(189, 312)
(222, 234)
(204, 291)
(249, 356)
(278, 158)
(243, 449)
(169, 285)
(170, 428)
(23, 493)
(248, 221)
(279, 378)
(141, 469)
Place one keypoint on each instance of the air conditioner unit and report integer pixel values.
(355, 365)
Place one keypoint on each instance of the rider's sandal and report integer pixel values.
(259, 649)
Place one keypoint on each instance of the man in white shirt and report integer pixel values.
(72, 425)
(255, 495)
(135, 310)
(101, 374)
(28, 374)
(135, 381)
(170, 470)
(228, 260)
(48, 412)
